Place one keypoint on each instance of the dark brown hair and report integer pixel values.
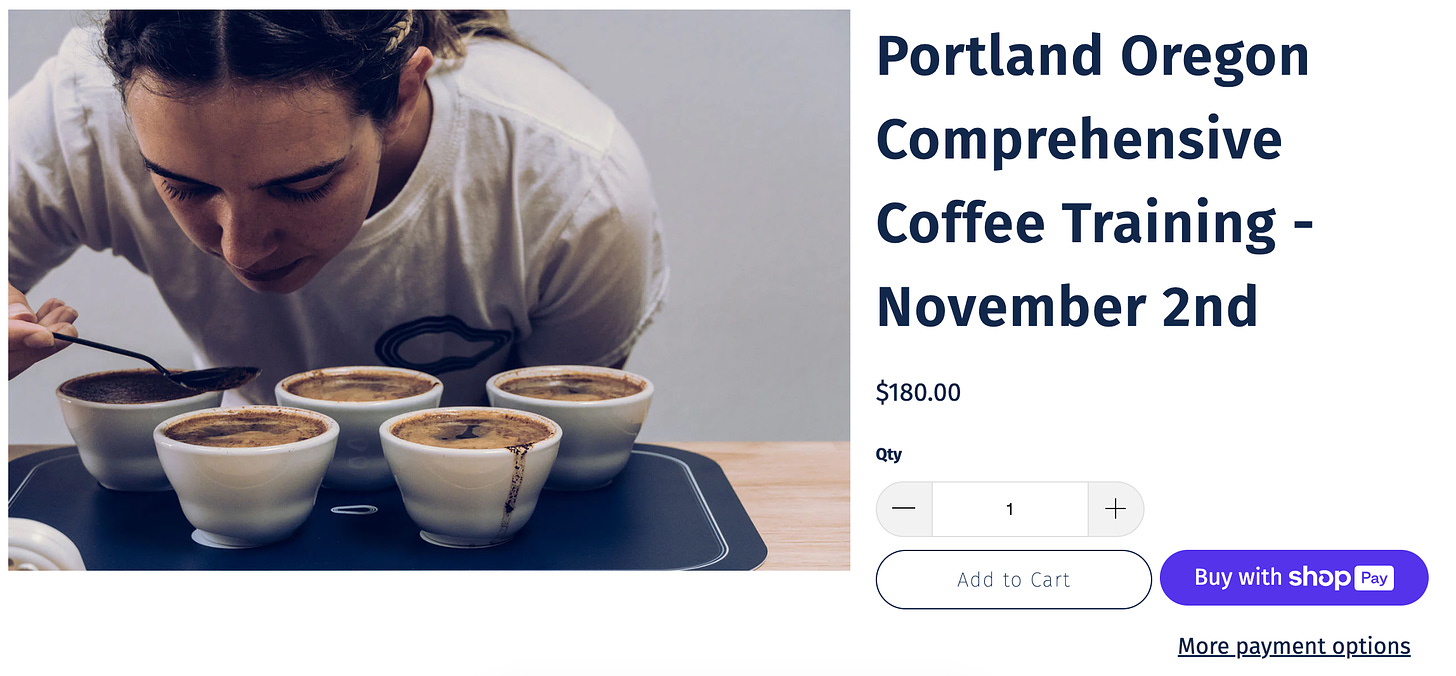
(360, 53)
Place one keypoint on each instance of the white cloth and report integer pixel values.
(528, 226)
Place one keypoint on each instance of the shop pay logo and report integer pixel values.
(1374, 578)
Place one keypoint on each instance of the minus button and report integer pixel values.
(904, 508)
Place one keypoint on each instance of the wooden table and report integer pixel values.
(796, 492)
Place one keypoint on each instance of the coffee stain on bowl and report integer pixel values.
(517, 477)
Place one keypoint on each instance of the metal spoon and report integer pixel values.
(204, 380)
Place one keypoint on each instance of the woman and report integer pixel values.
(332, 188)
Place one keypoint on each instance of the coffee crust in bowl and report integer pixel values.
(137, 386)
(245, 429)
(471, 430)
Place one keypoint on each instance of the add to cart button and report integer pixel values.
(1318, 577)
(1019, 579)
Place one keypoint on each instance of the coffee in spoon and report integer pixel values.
(202, 380)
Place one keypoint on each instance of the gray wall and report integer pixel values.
(743, 118)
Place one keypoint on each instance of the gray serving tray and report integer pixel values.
(669, 509)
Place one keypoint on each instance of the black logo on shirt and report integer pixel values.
(388, 346)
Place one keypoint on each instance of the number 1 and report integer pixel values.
(1008, 509)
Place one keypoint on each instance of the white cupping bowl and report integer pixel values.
(359, 463)
(246, 497)
(598, 434)
(462, 497)
(115, 440)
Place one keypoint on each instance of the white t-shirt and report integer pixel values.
(528, 226)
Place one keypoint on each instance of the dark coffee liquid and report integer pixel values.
(358, 386)
(471, 430)
(245, 429)
(141, 386)
(572, 387)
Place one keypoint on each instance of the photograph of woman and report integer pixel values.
(456, 200)
(311, 188)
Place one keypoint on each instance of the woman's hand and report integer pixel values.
(30, 330)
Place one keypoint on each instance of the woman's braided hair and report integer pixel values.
(358, 52)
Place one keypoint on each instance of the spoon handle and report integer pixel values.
(117, 350)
